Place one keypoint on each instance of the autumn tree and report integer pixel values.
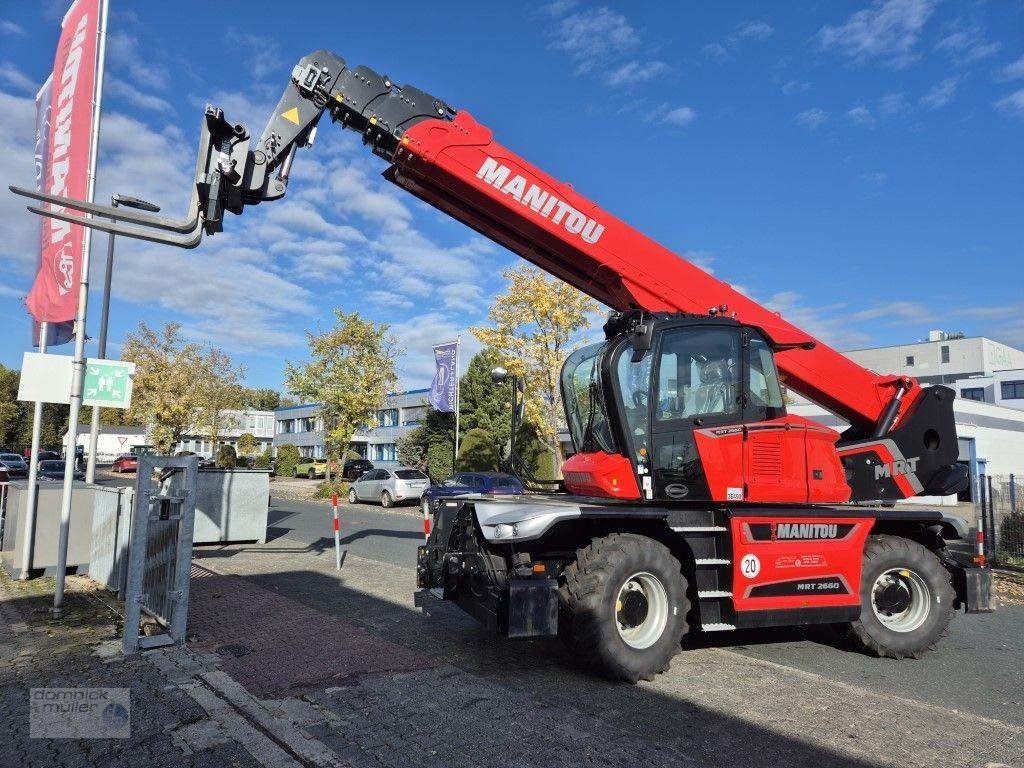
(350, 372)
(534, 326)
(217, 392)
(13, 413)
(165, 388)
(261, 399)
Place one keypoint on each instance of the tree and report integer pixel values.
(350, 372)
(482, 403)
(260, 399)
(217, 391)
(533, 327)
(439, 461)
(13, 413)
(287, 458)
(477, 451)
(247, 444)
(165, 391)
(263, 460)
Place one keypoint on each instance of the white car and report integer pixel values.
(389, 486)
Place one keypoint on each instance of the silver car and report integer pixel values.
(389, 486)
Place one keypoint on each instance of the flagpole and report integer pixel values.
(455, 462)
(33, 472)
(78, 363)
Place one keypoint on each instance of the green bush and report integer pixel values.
(263, 460)
(477, 451)
(226, 457)
(439, 462)
(1011, 537)
(325, 490)
(287, 458)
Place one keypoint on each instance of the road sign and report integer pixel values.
(108, 383)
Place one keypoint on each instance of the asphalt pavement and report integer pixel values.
(978, 668)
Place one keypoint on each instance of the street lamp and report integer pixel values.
(94, 427)
(518, 386)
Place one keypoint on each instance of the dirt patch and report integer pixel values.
(293, 487)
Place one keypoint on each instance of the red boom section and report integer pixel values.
(458, 168)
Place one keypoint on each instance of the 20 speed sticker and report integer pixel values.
(750, 566)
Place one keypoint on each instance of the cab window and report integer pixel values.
(698, 374)
(765, 391)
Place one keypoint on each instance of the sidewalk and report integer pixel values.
(290, 663)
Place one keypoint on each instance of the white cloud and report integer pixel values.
(17, 79)
(754, 30)
(826, 323)
(680, 116)
(941, 94)
(126, 53)
(812, 118)
(419, 334)
(1013, 71)
(794, 86)
(19, 244)
(893, 105)
(1013, 104)
(965, 45)
(861, 115)
(10, 28)
(559, 7)
(897, 313)
(119, 88)
(591, 36)
(887, 31)
(636, 72)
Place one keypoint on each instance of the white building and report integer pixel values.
(234, 424)
(942, 359)
(1005, 388)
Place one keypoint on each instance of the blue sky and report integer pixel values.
(855, 165)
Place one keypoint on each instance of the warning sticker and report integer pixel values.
(801, 561)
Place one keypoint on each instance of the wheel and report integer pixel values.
(385, 499)
(352, 498)
(624, 606)
(295, 472)
(906, 599)
(312, 474)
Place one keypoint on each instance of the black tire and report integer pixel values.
(311, 474)
(591, 608)
(909, 563)
(385, 500)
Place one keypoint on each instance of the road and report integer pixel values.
(977, 669)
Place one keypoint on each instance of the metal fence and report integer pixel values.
(160, 553)
(1002, 512)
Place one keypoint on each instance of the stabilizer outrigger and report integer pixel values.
(232, 172)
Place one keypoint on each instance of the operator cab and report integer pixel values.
(683, 407)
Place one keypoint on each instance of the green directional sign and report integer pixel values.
(108, 383)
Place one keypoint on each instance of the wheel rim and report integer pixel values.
(385, 499)
(351, 497)
(641, 610)
(900, 599)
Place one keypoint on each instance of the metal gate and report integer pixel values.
(160, 554)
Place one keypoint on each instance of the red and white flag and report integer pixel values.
(54, 295)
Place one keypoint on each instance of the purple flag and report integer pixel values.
(57, 333)
(442, 391)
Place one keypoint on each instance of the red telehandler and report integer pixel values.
(693, 501)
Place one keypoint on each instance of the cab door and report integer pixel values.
(696, 414)
(774, 446)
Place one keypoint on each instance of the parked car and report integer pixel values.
(125, 463)
(49, 456)
(14, 464)
(4, 477)
(311, 468)
(389, 486)
(54, 470)
(463, 483)
(353, 468)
